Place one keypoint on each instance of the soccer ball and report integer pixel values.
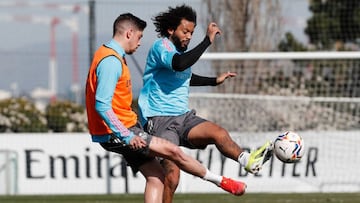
(289, 147)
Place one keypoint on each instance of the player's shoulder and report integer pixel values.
(163, 43)
(110, 64)
(111, 60)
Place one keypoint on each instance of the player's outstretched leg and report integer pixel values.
(232, 186)
(258, 157)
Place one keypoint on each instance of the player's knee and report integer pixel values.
(217, 134)
(220, 131)
(155, 182)
(172, 175)
(172, 171)
(176, 154)
(172, 180)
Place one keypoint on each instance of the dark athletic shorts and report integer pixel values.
(174, 128)
(134, 158)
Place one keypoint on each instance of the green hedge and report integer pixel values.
(21, 115)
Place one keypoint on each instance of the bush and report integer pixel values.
(20, 115)
(65, 116)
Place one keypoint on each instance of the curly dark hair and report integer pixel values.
(171, 19)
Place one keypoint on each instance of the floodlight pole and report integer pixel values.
(72, 23)
(53, 62)
(92, 31)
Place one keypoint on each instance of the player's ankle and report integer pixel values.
(243, 158)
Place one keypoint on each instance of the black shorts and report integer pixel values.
(174, 128)
(134, 158)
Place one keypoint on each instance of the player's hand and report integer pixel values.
(212, 31)
(220, 79)
(137, 143)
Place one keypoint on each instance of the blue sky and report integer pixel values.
(25, 46)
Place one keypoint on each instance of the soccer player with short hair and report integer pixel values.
(163, 100)
(114, 125)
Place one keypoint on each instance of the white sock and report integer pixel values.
(243, 158)
(209, 176)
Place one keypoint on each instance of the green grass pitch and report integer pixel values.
(191, 198)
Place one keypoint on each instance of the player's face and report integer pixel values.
(182, 35)
(134, 41)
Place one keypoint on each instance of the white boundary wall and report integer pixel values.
(330, 164)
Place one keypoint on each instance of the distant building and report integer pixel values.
(4, 94)
(42, 97)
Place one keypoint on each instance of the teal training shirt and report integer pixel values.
(165, 92)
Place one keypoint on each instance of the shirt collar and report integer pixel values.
(171, 45)
(116, 46)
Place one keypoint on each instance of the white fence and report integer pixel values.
(72, 164)
(8, 172)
